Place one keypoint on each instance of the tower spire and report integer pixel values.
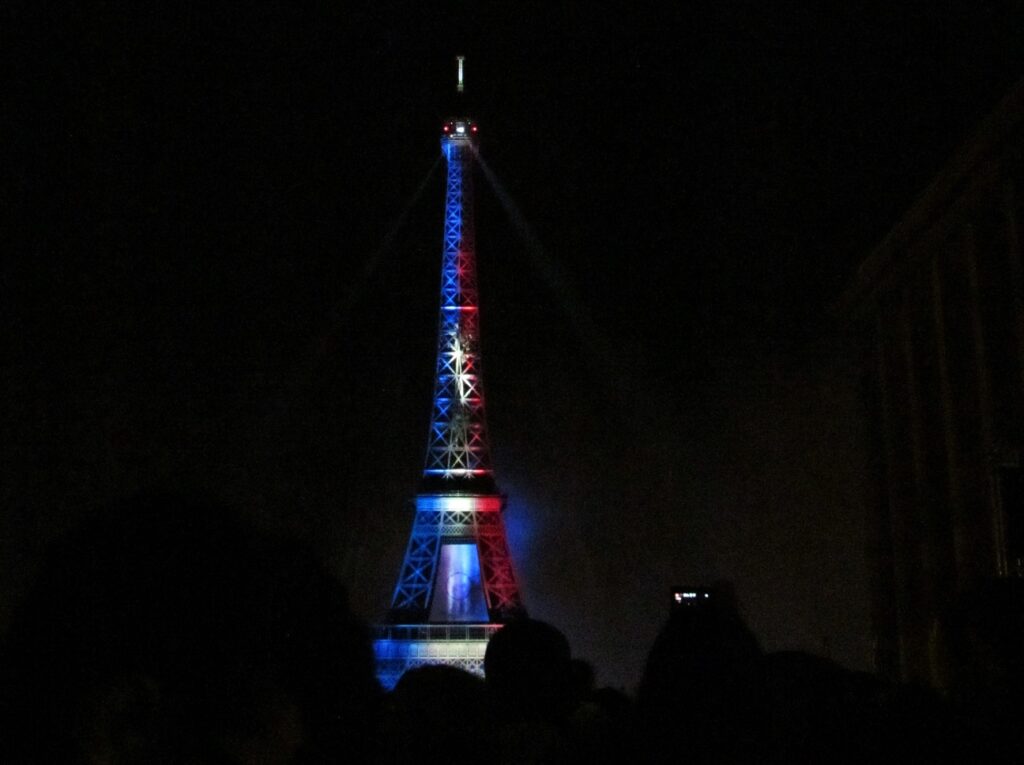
(460, 87)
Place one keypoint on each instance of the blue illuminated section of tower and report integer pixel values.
(457, 585)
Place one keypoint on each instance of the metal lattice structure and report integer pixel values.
(457, 574)
(458, 503)
(458, 446)
(453, 519)
(398, 648)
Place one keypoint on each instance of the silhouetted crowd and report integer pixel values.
(169, 631)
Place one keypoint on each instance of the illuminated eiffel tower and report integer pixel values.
(456, 586)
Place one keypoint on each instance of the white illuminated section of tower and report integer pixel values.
(460, 87)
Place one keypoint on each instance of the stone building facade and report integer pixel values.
(938, 309)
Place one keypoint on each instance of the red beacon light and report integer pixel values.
(458, 128)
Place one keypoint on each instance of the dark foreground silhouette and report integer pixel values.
(168, 631)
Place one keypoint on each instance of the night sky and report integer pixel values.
(222, 240)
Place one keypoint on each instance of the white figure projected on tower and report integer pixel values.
(458, 595)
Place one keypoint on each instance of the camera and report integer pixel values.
(690, 597)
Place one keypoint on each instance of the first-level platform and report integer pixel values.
(398, 647)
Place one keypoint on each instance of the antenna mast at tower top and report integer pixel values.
(460, 87)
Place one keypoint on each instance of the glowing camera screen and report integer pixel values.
(690, 596)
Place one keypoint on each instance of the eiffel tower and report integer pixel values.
(456, 586)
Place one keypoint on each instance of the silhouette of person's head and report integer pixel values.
(437, 712)
(700, 649)
(700, 690)
(529, 673)
(166, 630)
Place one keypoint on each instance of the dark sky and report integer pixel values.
(219, 273)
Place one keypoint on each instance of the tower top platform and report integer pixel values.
(459, 128)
